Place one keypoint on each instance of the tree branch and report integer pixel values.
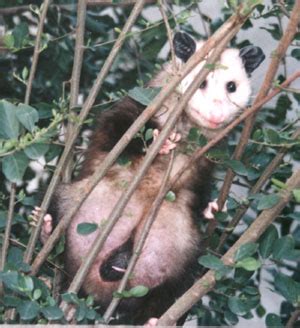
(234, 22)
(294, 317)
(75, 78)
(279, 53)
(255, 189)
(149, 220)
(207, 282)
(10, 216)
(72, 138)
(36, 51)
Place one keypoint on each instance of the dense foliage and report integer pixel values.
(31, 142)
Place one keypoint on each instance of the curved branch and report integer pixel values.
(232, 24)
(72, 138)
(207, 282)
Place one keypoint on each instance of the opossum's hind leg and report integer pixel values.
(169, 144)
(47, 225)
(114, 267)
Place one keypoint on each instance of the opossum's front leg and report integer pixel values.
(47, 225)
(169, 144)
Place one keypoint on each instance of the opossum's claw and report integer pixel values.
(169, 144)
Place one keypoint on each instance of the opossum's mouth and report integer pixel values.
(202, 121)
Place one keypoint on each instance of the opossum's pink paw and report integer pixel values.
(152, 322)
(169, 144)
(212, 208)
(47, 228)
(47, 225)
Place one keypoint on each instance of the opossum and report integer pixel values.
(170, 253)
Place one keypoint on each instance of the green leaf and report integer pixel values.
(20, 34)
(237, 166)
(28, 310)
(70, 298)
(170, 196)
(52, 312)
(249, 264)
(238, 306)
(86, 228)
(9, 41)
(27, 116)
(25, 284)
(231, 318)
(139, 291)
(296, 53)
(245, 250)
(9, 125)
(149, 134)
(142, 95)
(36, 151)
(267, 241)
(267, 201)
(211, 262)
(288, 288)
(37, 294)
(272, 136)
(14, 166)
(296, 193)
(273, 320)
(282, 247)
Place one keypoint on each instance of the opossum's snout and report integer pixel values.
(114, 267)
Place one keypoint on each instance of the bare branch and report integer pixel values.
(207, 282)
(255, 189)
(149, 220)
(37, 49)
(278, 54)
(10, 216)
(72, 138)
(232, 23)
(75, 78)
(294, 317)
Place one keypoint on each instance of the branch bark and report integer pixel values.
(255, 189)
(207, 282)
(72, 138)
(36, 51)
(149, 220)
(234, 22)
(75, 78)
(279, 53)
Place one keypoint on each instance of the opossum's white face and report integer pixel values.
(226, 89)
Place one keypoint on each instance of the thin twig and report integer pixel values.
(37, 50)
(149, 220)
(285, 41)
(75, 79)
(208, 281)
(294, 317)
(10, 216)
(232, 23)
(169, 32)
(255, 189)
(19, 9)
(149, 157)
(82, 116)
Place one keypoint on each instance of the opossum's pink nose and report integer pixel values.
(217, 101)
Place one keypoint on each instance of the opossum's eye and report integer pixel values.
(231, 87)
(203, 85)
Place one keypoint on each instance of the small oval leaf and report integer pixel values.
(86, 228)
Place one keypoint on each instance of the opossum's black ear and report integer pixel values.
(184, 46)
(252, 57)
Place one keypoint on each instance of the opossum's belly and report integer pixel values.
(171, 242)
